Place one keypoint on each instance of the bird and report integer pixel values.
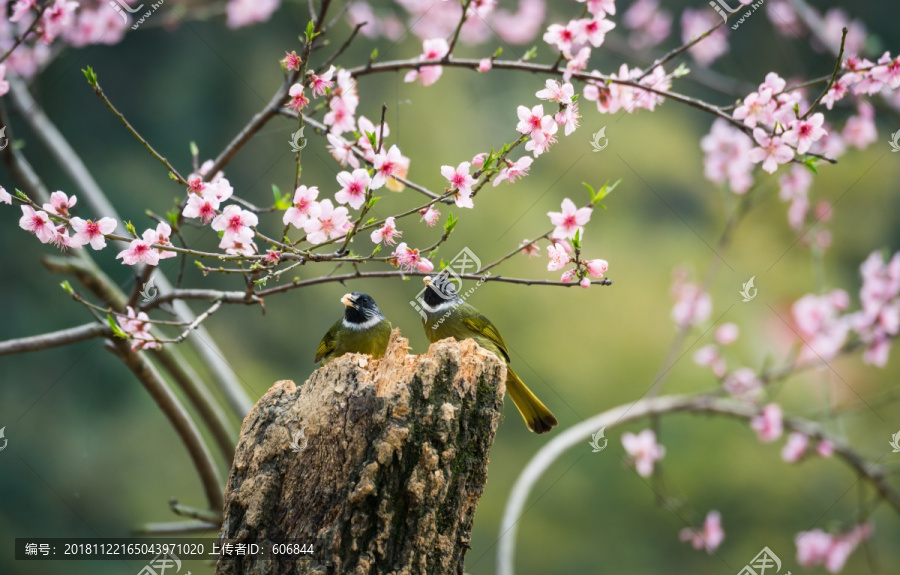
(449, 316)
(363, 329)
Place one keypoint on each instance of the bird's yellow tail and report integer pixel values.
(536, 415)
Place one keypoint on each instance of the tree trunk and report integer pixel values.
(394, 463)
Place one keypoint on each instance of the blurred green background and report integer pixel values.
(90, 455)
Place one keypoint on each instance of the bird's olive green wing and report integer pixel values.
(483, 327)
(328, 343)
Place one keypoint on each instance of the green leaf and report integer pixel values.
(310, 30)
(114, 326)
(605, 191)
(67, 287)
(21, 194)
(373, 55)
(810, 163)
(90, 75)
(530, 54)
(261, 282)
(369, 221)
(173, 176)
(590, 189)
(172, 216)
(195, 151)
(576, 241)
(372, 201)
(681, 70)
(450, 223)
(497, 52)
(376, 250)
(372, 140)
(281, 202)
(130, 227)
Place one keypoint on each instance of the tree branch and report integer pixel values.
(54, 339)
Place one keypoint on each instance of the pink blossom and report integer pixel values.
(568, 276)
(38, 223)
(709, 537)
(771, 151)
(203, 207)
(137, 326)
(562, 37)
(593, 30)
(650, 24)
(795, 448)
(768, 425)
(725, 160)
(836, 93)
(353, 187)
(291, 60)
(21, 8)
(235, 222)
(596, 267)
(140, 251)
(692, 305)
(160, 236)
(819, 548)
(273, 256)
(478, 160)
(888, 71)
(600, 7)
(825, 448)
(514, 170)
(743, 384)
(5, 197)
(860, 131)
(242, 13)
(556, 92)
(459, 178)
(570, 220)
(342, 150)
(409, 259)
(530, 249)
(432, 49)
(696, 22)
(534, 122)
(485, 64)
(585, 283)
(57, 17)
(834, 22)
(430, 216)
(820, 325)
(803, 133)
(298, 99)
(319, 85)
(522, 26)
(708, 356)
(238, 245)
(92, 232)
(568, 117)
(644, 449)
(784, 18)
(727, 333)
(559, 258)
(757, 108)
(541, 141)
(340, 115)
(386, 233)
(367, 128)
(879, 320)
(387, 165)
(59, 204)
(329, 223)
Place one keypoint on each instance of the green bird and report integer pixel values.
(363, 329)
(449, 316)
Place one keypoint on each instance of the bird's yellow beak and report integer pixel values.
(427, 280)
(348, 300)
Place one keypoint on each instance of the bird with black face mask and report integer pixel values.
(363, 329)
(449, 316)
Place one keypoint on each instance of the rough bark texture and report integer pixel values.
(394, 464)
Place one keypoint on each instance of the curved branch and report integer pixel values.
(622, 414)
(54, 339)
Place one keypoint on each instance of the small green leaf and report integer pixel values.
(810, 163)
(130, 227)
(376, 250)
(21, 194)
(172, 216)
(576, 241)
(198, 263)
(681, 70)
(372, 201)
(497, 52)
(90, 75)
(530, 54)
(450, 223)
(173, 176)
(590, 189)
(67, 287)
(195, 151)
(310, 30)
(114, 326)
(369, 221)
(373, 55)
(371, 138)
(261, 282)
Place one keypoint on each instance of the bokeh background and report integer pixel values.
(90, 455)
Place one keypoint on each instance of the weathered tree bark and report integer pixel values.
(394, 464)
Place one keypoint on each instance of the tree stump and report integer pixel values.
(394, 463)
